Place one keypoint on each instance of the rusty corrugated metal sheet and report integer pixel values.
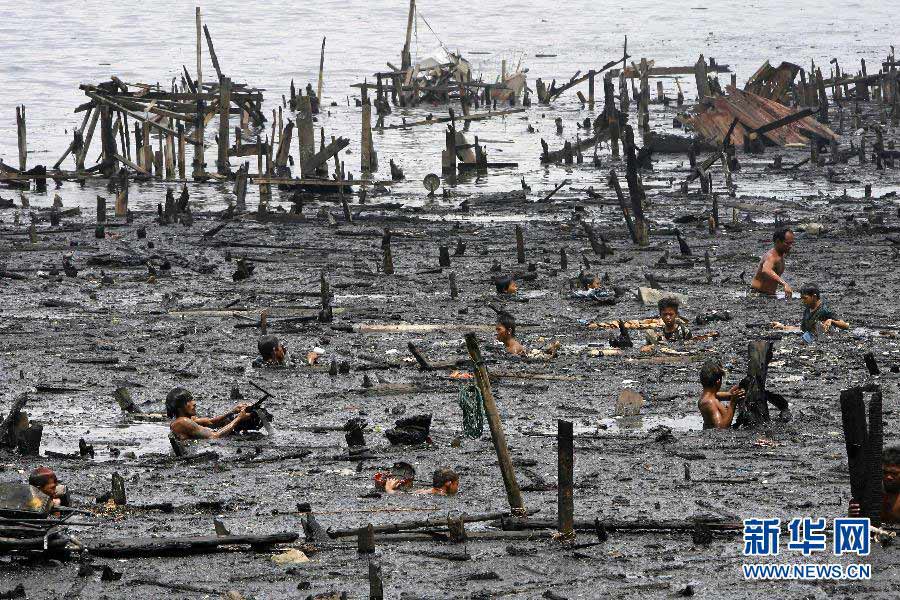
(752, 112)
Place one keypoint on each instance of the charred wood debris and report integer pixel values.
(145, 133)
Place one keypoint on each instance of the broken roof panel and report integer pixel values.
(771, 82)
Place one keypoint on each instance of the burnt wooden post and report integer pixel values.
(122, 197)
(755, 408)
(386, 248)
(21, 134)
(456, 524)
(701, 78)
(591, 76)
(513, 494)
(563, 259)
(365, 540)
(240, 187)
(520, 245)
(635, 189)
(223, 165)
(614, 181)
(368, 158)
(101, 209)
(118, 490)
(181, 147)
(107, 142)
(864, 447)
(376, 583)
(444, 256)
(565, 480)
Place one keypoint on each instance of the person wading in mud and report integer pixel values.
(444, 482)
(717, 415)
(181, 406)
(771, 267)
(506, 333)
(890, 504)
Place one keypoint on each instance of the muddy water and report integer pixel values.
(48, 53)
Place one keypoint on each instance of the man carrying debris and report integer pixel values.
(717, 415)
(816, 312)
(181, 406)
(444, 482)
(890, 504)
(506, 333)
(771, 267)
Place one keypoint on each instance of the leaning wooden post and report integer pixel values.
(368, 161)
(223, 165)
(513, 494)
(321, 72)
(23, 143)
(565, 480)
(635, 189)
(520, 245)
(240, 187)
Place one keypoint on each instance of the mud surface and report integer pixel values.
(193, 326)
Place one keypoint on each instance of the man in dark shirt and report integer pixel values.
(815, 312)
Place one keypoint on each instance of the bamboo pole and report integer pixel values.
(321, 72)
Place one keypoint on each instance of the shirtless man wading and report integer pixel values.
(771, 267)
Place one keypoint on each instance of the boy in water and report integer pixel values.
(505, 284)
(815, 312)
(506, 333)
(674, 330)
(45, 480)
(890, 504)
(717, 415)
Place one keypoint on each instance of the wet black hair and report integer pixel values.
(668, 302)
(586, 279)
(891, 455)
(503, 282)
(443, 476)
(811, 289)
(267, 345)
(711, 373)
(176, 399)
(781, 234)
(507, 320)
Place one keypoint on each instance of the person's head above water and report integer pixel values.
(890, 460)
(44, 479)
(711, 374)
(505, 284)
(506, 326)
(271, 349)
(810, 294)
(180, 403)
(446, 480)
(784, 240)
(588, 281)
(668, 310)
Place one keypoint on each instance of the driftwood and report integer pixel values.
(145, 547)
(421, 524)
